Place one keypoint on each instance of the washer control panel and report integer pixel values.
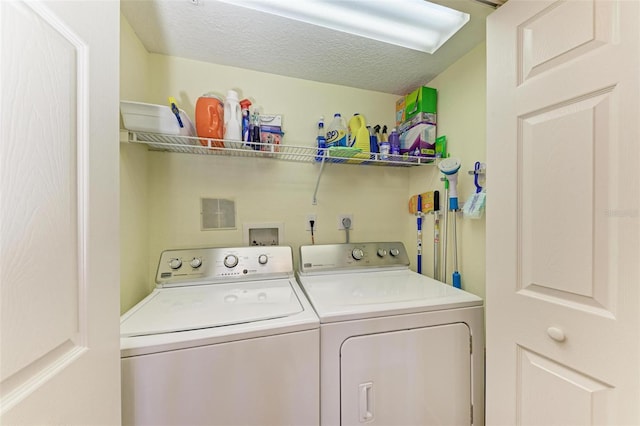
(333, 257)
(207, 265)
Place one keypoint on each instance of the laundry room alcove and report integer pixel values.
(160, 191)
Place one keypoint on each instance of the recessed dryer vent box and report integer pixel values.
(263, 234)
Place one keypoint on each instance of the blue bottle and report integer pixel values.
(322, 140)
(373, 140)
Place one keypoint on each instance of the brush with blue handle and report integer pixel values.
(175, 110)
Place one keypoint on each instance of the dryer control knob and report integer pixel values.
(175, 263)
(263, 259)
(196, 262)
(394, 252)
(357, 253)
(230, 260)
(382, 252)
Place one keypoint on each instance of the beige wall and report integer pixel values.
(134, 192)
(166, 188)
(268, 190)
(462, 117)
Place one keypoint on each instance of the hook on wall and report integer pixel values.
(478, 173)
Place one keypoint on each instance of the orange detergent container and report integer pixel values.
(210, 119)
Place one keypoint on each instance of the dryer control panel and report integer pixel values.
(335, 257)
(208, 265)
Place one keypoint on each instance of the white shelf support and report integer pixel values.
(315, 191)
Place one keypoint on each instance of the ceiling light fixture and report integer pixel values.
(414, 24)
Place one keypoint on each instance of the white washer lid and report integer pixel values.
(169, 310)
(348, 296)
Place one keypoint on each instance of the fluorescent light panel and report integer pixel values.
(414, 24)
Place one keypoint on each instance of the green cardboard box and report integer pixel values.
(424, 99)
(400, 111)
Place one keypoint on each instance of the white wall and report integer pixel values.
(166, 188)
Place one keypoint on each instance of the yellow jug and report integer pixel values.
(359, 132)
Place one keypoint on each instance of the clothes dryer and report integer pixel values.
(397, 347)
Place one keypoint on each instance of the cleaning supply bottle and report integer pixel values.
(321, 139)
(246, 121)
(384, 150)
(255, 131)
(373, 140)
(210, 119)
(359, 135)
(376, 130)
(385, 146)
(337, 132)
(394, 143)
(232, 117)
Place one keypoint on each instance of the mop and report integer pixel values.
(436, 235)
(419, 205)
(449, 167)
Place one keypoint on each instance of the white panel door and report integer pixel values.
(563, 235)
(59, 348)
(407, 377)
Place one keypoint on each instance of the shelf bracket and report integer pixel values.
(315, 192)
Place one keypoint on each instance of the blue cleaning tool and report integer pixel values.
(450, 167)
(477, 168)
(419, 223)
(474, 206)
(175, 110)
(436, 235)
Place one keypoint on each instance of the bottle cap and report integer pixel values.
(232, 95)
(245, 104)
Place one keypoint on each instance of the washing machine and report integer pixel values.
(397, 347)
(227, 337)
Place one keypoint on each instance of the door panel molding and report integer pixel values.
(563, 149)
(546, 42)
(45, 199)
(579, 397)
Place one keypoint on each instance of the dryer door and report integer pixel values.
(408, 377)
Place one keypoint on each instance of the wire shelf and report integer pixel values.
(285, 152)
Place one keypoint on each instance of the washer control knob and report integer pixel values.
(196, 262)
(263, 259)
(382, 252)
(230, 260)
(394, 252)
(175, 263)
(357, 253)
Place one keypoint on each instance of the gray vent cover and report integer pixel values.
(218, 213)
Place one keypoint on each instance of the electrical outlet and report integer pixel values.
(311, 217)
(341, 219)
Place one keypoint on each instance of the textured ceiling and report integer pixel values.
(211, 31)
